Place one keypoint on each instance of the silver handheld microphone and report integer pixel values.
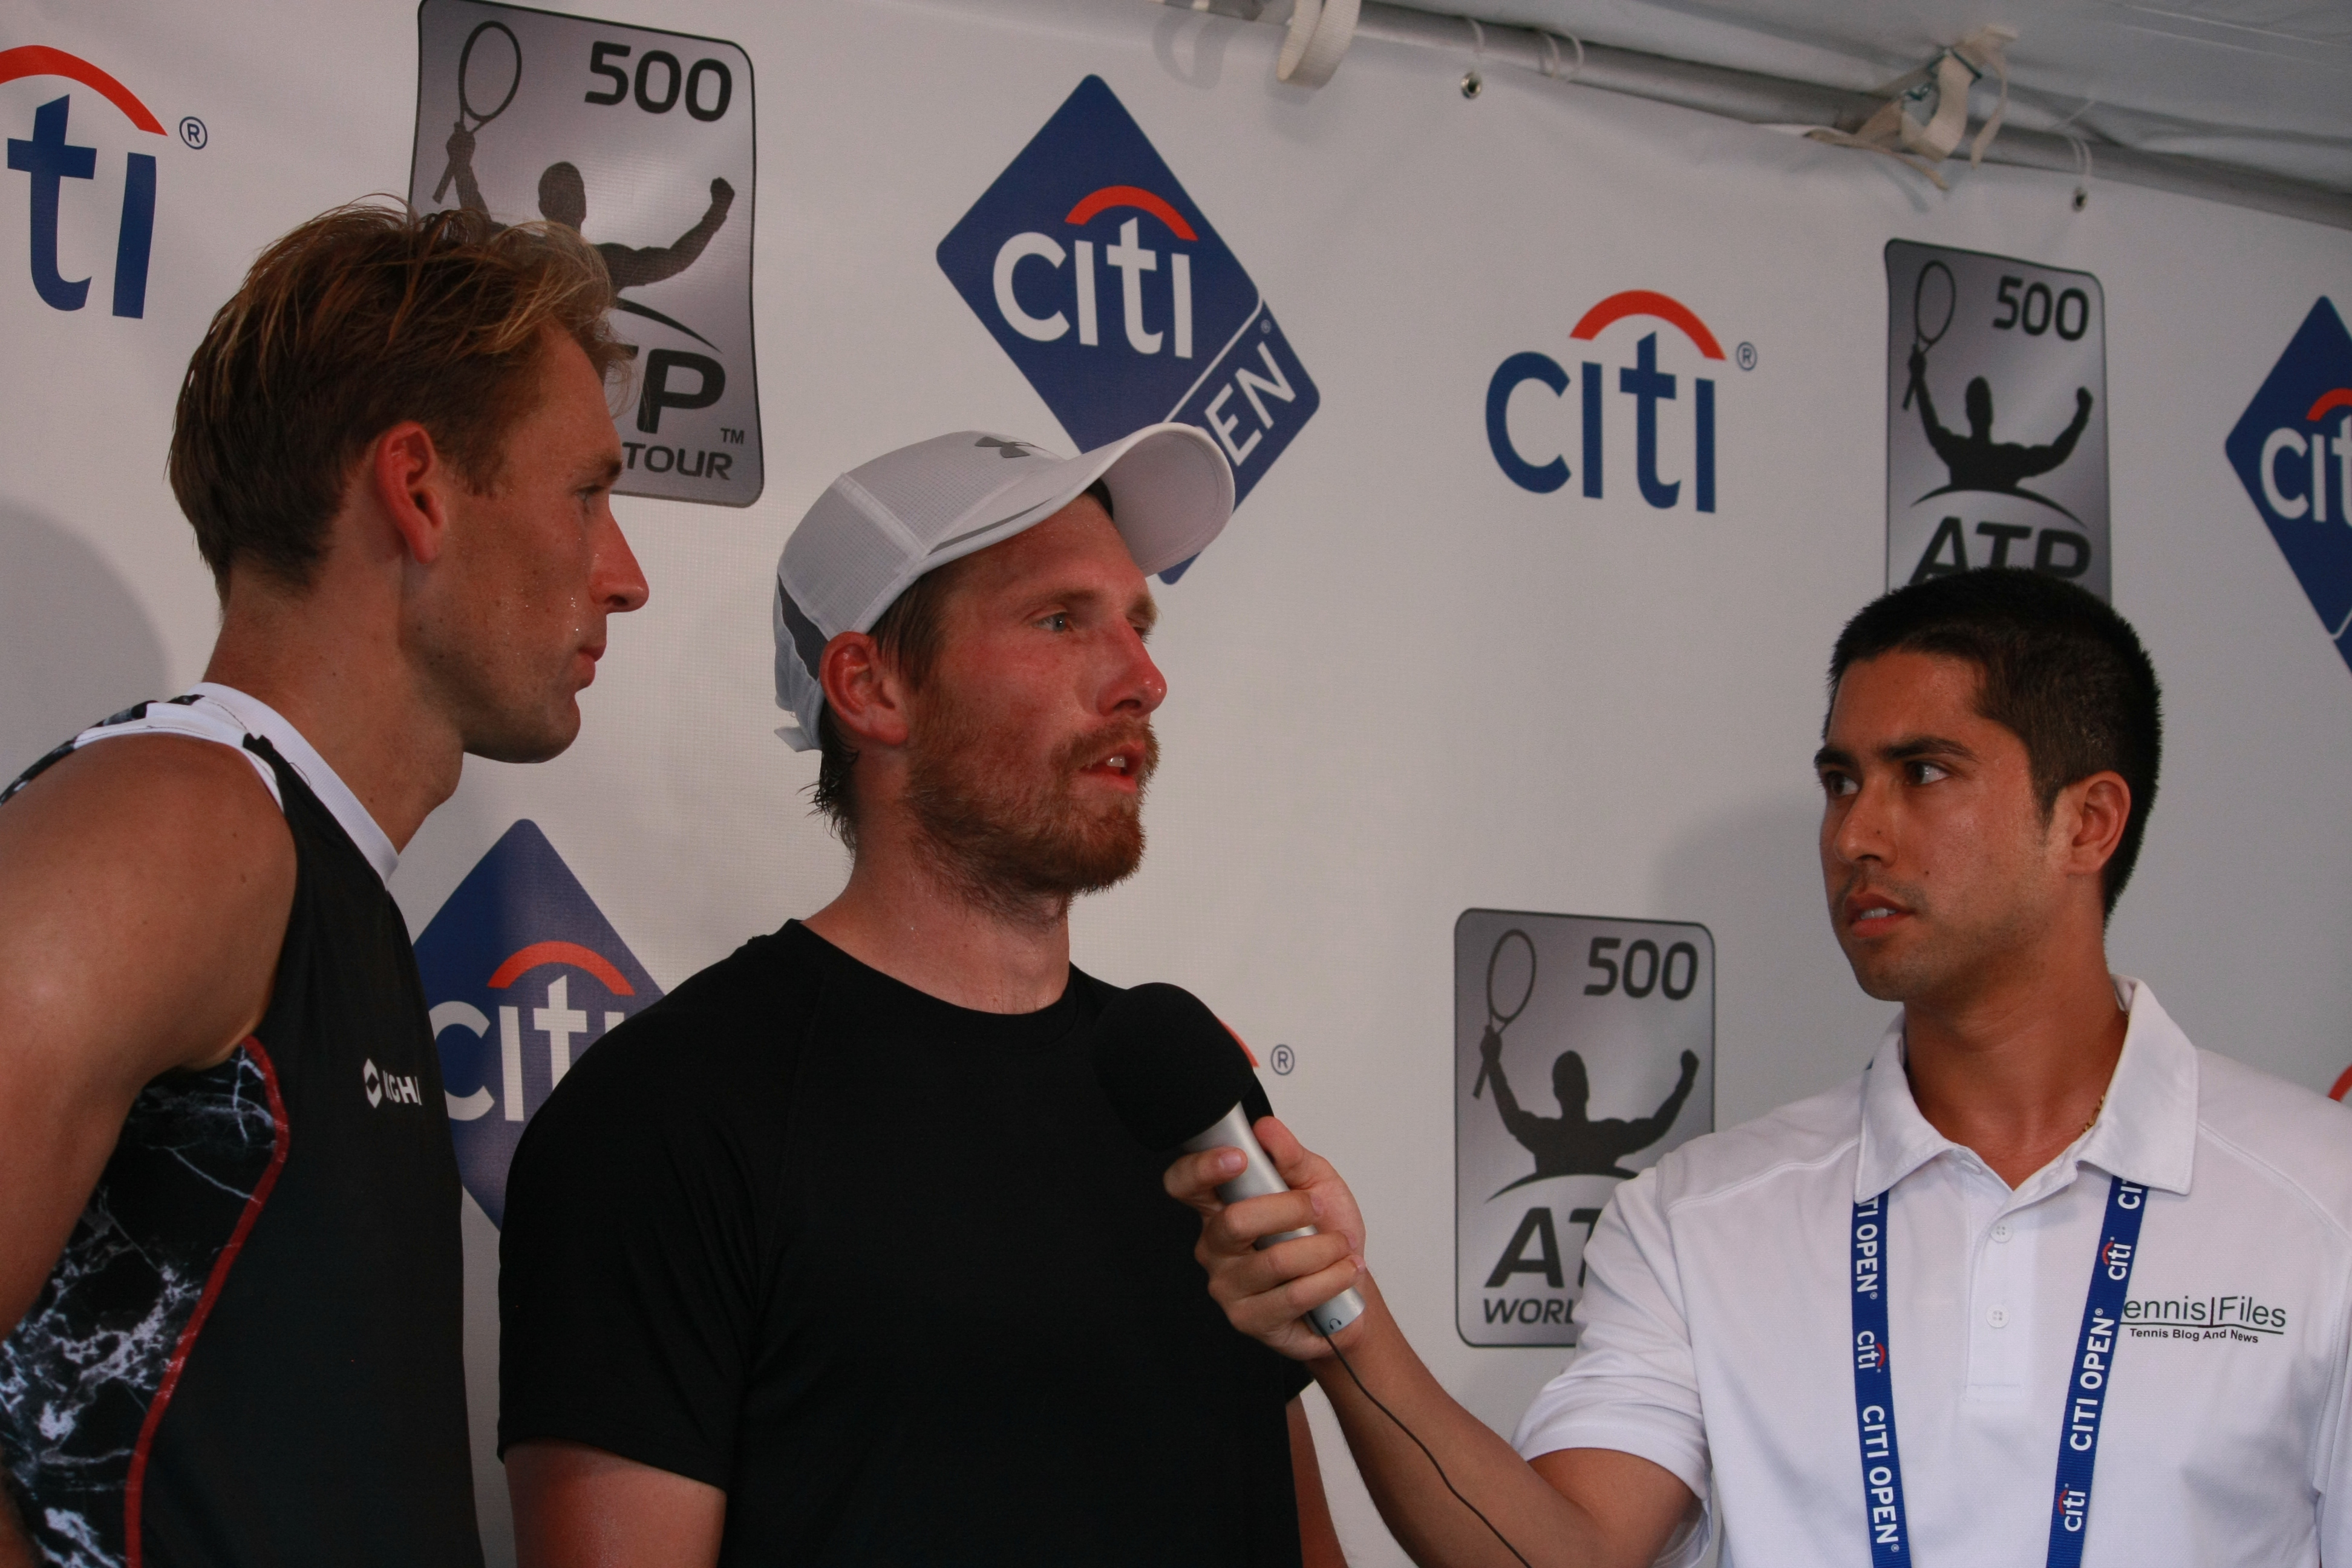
(1166, 1066)
(1259, 1178)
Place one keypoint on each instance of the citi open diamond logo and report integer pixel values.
(522, 972)
(1113, 294)
(2292, 451)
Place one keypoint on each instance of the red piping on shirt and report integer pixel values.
(134, 1548)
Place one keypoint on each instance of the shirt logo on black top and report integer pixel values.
(399, 1089)
(523, 974)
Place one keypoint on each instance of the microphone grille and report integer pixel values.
(1166, 1066)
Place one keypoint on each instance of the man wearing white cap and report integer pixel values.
(763, 1299)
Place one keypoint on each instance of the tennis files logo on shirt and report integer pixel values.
(522, 972)
(1114, 295)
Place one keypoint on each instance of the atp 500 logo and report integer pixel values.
(523, 973)
(53, 163)
(1673, 435)
(1110, 289)
(2292, 451)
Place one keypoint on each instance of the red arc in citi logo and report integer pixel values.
(1111, 291)
(1650, 389)
(50, 158)
(557, 1020)
(522, 974)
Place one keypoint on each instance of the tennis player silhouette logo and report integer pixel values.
(1976, 461)
(1571, 1143)
(563, 190)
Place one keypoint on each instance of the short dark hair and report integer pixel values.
(2059, 669)
(358, 320)
(908, 635)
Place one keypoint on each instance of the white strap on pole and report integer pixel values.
(1320, 31)
(1922, 145)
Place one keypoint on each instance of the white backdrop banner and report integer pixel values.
(1566, 460)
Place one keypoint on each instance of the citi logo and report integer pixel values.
(555, 1021)
(49, 159)
(2280, 489)
(1671, 412)
(1105, 285)
(522, 974)
(2292, 449)
(398, 1088)
(1128, 256)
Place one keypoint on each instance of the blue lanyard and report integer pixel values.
(2086, 1384)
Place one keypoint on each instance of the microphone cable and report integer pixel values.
(1425, 1454)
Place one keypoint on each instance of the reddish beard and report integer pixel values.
(1011, 829)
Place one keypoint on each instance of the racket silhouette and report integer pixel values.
(1924, 307)
(464, 92)
(1496, 1020)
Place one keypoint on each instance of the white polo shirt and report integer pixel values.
(1716, 1325)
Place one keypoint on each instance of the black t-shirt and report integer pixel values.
(890, 1273)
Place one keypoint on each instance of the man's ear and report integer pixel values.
(867, 695)
(410, 480)
(2090, 819)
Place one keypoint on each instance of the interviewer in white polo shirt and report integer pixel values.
(1917, 1318)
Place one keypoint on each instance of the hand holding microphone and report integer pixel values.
(1178, 1080)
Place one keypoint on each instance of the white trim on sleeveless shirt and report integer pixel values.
(226, 716)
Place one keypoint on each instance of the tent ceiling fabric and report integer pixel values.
(2262, 84)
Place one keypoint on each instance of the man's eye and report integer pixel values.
(1059, 621)
(1926, 773)
(1836, 785)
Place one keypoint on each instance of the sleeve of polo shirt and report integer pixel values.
(1633, 1384)
(2332, 1456)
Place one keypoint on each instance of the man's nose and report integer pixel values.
(618, 582)
(1138, 682)
(1862, 830)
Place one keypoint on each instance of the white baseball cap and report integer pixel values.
(885, 524)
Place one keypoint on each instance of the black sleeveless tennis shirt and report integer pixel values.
(250, 1350)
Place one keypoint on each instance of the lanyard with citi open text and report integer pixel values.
(2087, 1377)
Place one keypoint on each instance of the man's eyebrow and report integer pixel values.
(602, 473)
(1927, 746)
(1145, 610)
(1907, 751)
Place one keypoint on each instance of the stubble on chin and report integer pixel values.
(1010, 834)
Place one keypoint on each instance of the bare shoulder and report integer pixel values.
(144, 886)
(172, 803)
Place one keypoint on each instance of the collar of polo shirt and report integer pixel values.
(2146, 1131)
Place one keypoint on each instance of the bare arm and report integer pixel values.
(578, 1507)
(1318, 1539)
(144, 886)
(1580, 1508)
(16, 1552)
